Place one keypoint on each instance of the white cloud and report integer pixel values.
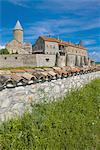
(95, 56)
(2, 46)
(62, 26)
(88, 42)
(22, 3)
(59, 5)
(80, 7)
(93, 48)
(86, 12)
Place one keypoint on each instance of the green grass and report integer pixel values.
(70, 124)
(22, 68)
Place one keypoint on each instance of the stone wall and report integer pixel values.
(51, 47)
(45, 60)
(61, 61)
(71, 60)
(17, 60)
(18, 35)
(33, 60)
(14, 101)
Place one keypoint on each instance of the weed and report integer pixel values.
(69, 124)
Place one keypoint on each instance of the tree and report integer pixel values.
(4, 51)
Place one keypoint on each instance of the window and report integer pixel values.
(15, 57)
(54, 47)
(5, 58)
(47, 59)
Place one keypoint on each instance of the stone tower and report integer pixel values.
(18, 32)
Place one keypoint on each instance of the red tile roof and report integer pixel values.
(60, 42)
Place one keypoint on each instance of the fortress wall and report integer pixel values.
(78, 60)
(38, 60)
(45, 60)
(71, 60)
(61, 61)
(33, 60)
(17, 60)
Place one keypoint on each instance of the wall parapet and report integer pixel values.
(23, 60)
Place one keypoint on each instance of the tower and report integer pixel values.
(81, 43)
(18, 32)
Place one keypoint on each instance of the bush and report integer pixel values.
(4, 51)
(68, 124)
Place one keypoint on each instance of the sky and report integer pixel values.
(70, 20)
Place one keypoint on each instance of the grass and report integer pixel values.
(22, 68)
(70, 124)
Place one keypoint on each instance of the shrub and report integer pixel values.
(4, 51)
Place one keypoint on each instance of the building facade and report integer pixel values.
(46, 51)
(17, 46)
(66, 53)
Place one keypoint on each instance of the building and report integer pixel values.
(17, 46)
(66, 52)
(46, 51)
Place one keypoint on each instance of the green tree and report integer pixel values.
(4, 51)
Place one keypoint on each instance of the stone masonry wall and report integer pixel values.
(33, 60)
(45, 60)
(17, 60)
(61, 61)
(14, 101)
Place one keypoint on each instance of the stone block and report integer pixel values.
(6, 102)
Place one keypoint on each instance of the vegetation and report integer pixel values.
(68, 124)
(22, 68)
(4, 51)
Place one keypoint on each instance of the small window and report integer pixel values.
(54, 47)
(47, 59)
(5, 58)
(15, 57)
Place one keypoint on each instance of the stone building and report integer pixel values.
(66, 53)
(46, 51)
(17, 46)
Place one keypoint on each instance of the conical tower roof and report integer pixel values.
(18, 26)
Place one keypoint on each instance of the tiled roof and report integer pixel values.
(60, 42)
(50, 39)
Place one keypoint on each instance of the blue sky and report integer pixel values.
(71, 20)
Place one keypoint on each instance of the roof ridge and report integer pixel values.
(61, 41)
